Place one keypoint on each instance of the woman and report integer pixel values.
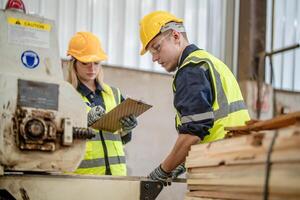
(104, 153)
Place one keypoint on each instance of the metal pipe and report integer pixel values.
(282, 50)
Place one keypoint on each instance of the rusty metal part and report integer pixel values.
(38, 130)
(35, 129)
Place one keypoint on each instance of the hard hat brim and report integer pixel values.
(92, 58)
(143, 51)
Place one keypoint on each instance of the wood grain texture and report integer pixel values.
(111, 121)
(235, 168)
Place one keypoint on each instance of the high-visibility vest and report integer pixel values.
(229, 108)
(95, 161)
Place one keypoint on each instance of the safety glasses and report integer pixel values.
(156, 47)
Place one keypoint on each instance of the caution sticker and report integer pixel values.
(28, 33)
(29, 24)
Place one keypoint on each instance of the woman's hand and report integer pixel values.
(94, 114)
(128, 123)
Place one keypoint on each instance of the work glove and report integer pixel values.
(180, 169)
(128, 123)
(94, 114)
(158, 174)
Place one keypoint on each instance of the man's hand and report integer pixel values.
(158, 174)
(94, 114)
(128, 123)
(180, 169)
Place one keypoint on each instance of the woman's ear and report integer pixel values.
(74, 64)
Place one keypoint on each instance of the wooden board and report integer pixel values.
(198, 198)
(275, 123)
(235, 168)
(248, 149)
(225, 195)
(284, 177)
(224, 188)
(111, 121)
(236, 196)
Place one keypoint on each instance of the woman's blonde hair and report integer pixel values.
(73, 79)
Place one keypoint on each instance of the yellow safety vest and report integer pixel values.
(94, 161)
(228, 107)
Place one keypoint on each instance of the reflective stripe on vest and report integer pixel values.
(224, 113)
(117, 95)
(224, 107)
(107, 136)
(94, 161)
(101, 162)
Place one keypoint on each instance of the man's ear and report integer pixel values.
(176, 35)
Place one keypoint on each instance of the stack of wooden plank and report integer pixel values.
(237, 167)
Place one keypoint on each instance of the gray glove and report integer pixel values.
(94, 114)
(128, 123)
(180, 169)
(158, 174)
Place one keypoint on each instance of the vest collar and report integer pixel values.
(85, 91)
(187, 51)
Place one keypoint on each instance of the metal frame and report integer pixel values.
(77, 187)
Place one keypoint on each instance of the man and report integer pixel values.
(207, 97)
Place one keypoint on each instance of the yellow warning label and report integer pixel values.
(29, 24)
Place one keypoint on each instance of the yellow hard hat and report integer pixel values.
(151, 25)
(86, 47)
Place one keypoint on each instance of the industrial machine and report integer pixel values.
(43, 126)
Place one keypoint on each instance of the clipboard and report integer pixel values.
(111, 120)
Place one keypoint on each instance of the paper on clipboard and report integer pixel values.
(111, 120)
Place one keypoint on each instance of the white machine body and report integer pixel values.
(38, 109)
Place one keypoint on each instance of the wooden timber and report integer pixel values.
(235, 168)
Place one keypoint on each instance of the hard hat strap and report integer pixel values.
(173, 26)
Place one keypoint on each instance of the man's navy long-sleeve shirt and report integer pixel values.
(194, 95)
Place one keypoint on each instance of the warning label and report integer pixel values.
(29, 24)
(28, 33)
